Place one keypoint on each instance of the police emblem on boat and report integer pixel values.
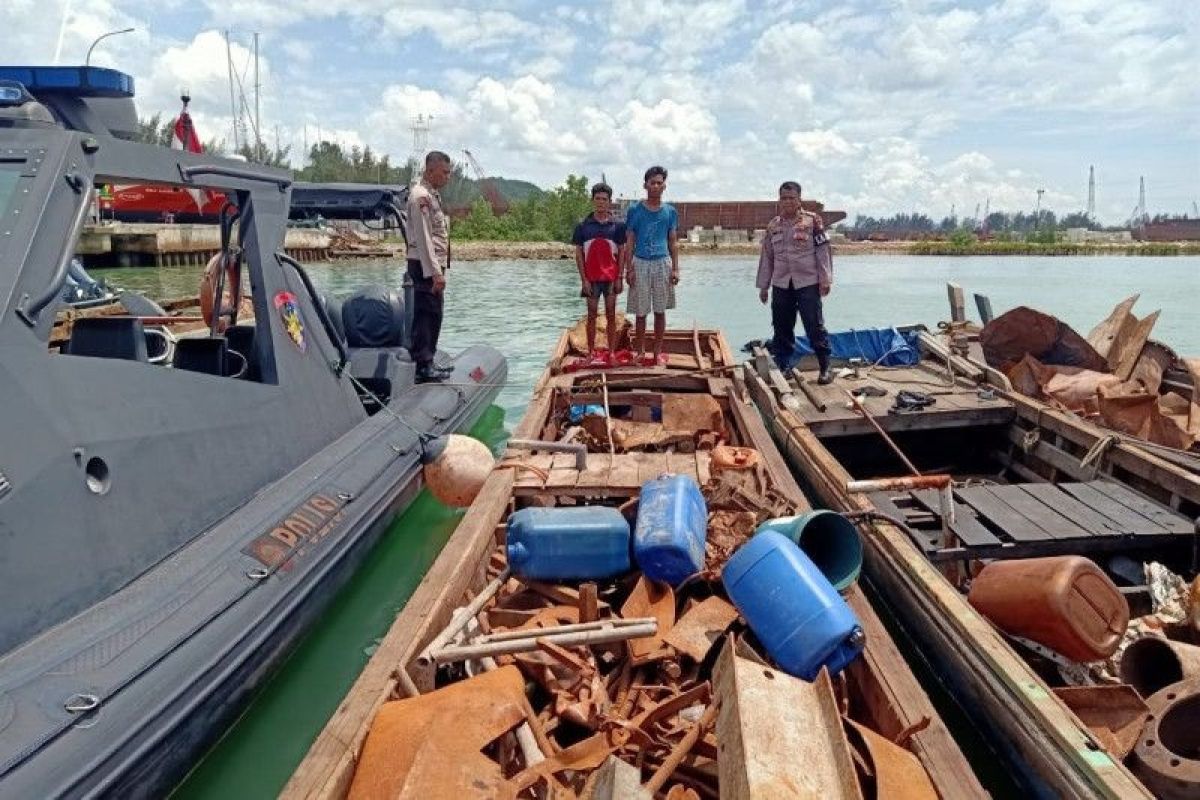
(289, 312)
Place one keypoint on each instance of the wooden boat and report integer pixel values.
(778, 736)
(1028, 480)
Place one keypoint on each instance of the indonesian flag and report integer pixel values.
(184, 138)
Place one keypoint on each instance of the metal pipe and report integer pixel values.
(817, 402)
(642, 628)
(903, 484)
(578, 448)
(461, 617)
(575, 627)
(891, 443)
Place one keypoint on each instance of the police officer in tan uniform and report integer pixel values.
(796, 266)
(428, 259)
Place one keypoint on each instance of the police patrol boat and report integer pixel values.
(167, 530)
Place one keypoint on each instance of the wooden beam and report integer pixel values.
(780, 736)
(958, 306)
(984, 304)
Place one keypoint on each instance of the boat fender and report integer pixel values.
(456, 467)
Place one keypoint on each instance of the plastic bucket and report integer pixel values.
(829, 540)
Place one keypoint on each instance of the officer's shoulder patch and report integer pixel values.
(819, 238)
(773, 225)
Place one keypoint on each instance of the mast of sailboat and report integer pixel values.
(233, 109)
(257, 118)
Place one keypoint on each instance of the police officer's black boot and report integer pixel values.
(431, 373)
(826, 376)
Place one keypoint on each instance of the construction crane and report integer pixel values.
(487, 186)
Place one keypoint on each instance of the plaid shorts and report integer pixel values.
(652, 289)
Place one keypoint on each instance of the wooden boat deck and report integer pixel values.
(1036, 519)
(608, 475)
(955, 406)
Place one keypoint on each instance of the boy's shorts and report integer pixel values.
(599, 289)
(652, 289)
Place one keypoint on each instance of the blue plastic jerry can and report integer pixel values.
(792, 607)
(672, 524)
(580, 542)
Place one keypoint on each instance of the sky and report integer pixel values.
(875, 107)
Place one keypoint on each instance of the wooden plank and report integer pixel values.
(1156, 471)
(1002, 515)
(966, 526)
(883, 502)
(703, 474)
(650, 466)
(768, 724)
(1055, 498)
(958, 305)
(624, 471)
(1118, 514)
(597, 474)
(984, 304)
(1043, 516)
(1160, 515)
(827, 425)
(562, 471)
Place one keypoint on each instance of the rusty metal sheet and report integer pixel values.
(898, 774)
(700, 627)
(692, 413)
(650, 599)
(429, 746)
(1114, 714)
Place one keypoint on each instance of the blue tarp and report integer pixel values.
(885, 346)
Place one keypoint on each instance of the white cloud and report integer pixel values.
(817, 145)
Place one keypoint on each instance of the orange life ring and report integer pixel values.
(208, 288)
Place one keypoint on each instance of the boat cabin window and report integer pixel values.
(147, 286)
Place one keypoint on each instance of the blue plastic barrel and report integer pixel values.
(568, 543)
(829, 539)
(672, 524)
(791, 607)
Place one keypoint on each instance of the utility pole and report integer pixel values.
(1142, 214)
(257, 118)
(233, 109)
(1091, 206)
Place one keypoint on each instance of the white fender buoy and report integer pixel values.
(456, 467)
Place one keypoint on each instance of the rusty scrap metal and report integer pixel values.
(460, 618)
(897, 773)
(523, 640)
(1152, 662)
(701, 626)
(650, 599)
(1166, 756)
(1114, 714)
(676, 756)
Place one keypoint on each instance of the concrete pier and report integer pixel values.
(124, 244)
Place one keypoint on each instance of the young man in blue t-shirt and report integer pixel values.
(599, 240)
(651, 263)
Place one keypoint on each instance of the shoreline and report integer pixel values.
(550, 251)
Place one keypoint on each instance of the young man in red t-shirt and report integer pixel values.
(599, 239)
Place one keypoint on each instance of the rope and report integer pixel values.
(1096, 452)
